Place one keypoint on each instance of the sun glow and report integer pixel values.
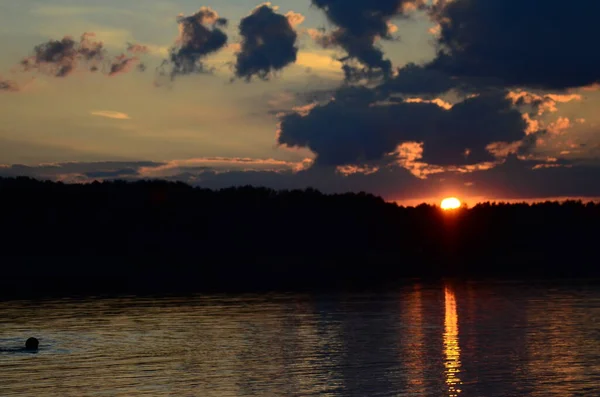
(450, 203)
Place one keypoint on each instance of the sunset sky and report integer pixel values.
(408, 99)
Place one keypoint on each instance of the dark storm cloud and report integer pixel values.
(465, 131)
(361, 23)
(62, 57)
(419, 80)
(355, 128)
(200, 35)
(268, 44)
(546, 44)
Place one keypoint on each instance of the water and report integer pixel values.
(437, 340)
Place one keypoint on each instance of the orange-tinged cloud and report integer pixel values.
(234, 47)
(295, 18)
(543, 166)
(408, 155)
(503, 149)
(319, 61)
(315, 34)
(438, 101)
(436, 30)
(109, 114)
(411, 7)
(305, 109)
(545, 103)
(533, 126)
(356, 169)
(559, 126)
(593, 87)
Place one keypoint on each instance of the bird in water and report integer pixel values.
(32, 344)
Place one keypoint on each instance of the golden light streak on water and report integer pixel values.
(451, 344)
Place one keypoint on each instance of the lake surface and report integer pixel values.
(421, 340)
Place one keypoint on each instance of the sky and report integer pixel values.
(413, 100)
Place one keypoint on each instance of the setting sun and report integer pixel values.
(450, 203)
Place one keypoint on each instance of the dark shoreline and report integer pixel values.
(162, 237)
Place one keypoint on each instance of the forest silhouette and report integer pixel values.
(157, 236)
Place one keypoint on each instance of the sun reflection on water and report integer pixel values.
(451, 345)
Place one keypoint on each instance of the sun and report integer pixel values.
(450, 203)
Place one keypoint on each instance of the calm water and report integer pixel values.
(444, 340)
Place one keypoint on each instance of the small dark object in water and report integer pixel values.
(32, 344)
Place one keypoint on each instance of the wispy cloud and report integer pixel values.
(224, 164)
(320, 61)
(187, 170)
(109, 114)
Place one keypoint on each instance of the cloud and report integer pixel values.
(518, 178)
(268, 43)
(513, 179)
(360, 24)
(200, 35)
(222, 164)
(112, 173)
(137, 48)
(358, 127)
(123, 64)
(415, 79)
(172, 170)
(529, 43)
(438, 101)
(541, 104)
(76, 171)
(295, 18)
(559, 126)
(186, 170)
(61, 58)
(389, 182)
(111, 115)
(396, 182)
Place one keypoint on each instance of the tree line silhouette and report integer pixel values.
(168, 236)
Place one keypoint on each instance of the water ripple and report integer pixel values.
(437, 340)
